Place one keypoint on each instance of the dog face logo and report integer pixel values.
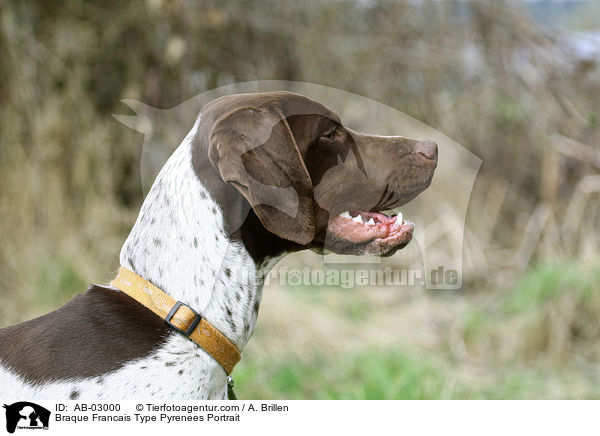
(26, 415)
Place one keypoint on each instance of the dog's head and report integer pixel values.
(304, 178)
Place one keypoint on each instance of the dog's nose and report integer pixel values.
(427, 149)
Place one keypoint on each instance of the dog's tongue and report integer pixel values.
(360, 227)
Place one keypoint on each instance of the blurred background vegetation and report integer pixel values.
(518, 84)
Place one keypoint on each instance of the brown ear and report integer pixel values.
(254, 149)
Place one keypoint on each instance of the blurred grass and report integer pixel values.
(55, 279)
(400, 375)
(521, 344)
(371, 374)
(547, 282)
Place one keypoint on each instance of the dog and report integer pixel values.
(258, 176)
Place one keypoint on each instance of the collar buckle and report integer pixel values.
(208, 337)
(192, 326)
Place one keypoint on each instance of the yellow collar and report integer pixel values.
(179, 316)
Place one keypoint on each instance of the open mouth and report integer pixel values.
(371, 232)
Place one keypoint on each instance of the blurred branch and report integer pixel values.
(575, 149)
(531, 236)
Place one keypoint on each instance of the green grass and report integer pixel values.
(541, 288)
(395, 374)
(372, 374)
(56, 281)
(529, 367)
(545, 282)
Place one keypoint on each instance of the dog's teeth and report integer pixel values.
(357, 219)
(345, 214)
(371, 222)
(399, 218)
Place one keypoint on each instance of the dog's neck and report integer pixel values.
(179, 244)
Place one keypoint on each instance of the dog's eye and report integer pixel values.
(329, 135)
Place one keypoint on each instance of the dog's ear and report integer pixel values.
(254, 149)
